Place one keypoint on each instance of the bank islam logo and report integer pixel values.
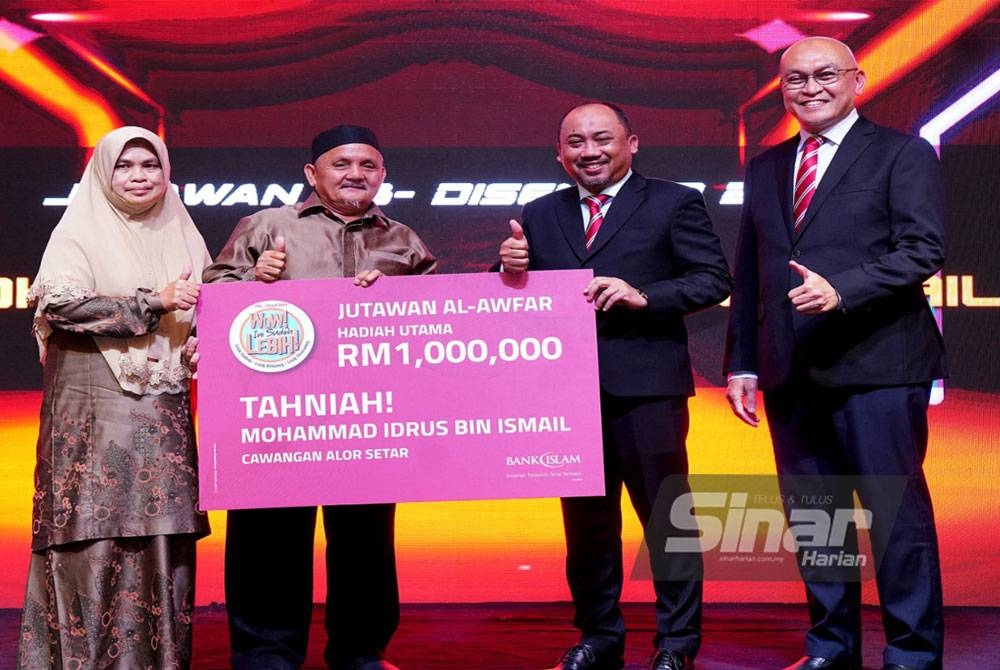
(271, 336)
(549, 459)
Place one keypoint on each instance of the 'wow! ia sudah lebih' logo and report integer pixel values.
(271, 336)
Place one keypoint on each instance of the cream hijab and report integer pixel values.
(103, 247)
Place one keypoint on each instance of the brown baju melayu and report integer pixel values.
(269, 552)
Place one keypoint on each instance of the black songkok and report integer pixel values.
(334, 137)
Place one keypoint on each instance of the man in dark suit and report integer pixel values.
(829, 319)
(655, 258)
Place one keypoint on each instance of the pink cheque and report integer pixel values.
(439, 387)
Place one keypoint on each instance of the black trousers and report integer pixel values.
(269, 584)
(644, 442)
(877, 435)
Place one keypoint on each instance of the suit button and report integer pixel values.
(796, 253)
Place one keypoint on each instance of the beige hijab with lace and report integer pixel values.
(103, 247)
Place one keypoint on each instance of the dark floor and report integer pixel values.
(516, 636)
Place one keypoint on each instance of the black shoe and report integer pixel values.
(585, 657)
(669, 660)
(817, 663)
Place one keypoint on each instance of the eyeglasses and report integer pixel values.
(797, 80)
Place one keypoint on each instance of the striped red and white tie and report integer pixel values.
(595, 203)
(805, 179)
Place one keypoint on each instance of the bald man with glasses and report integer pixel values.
(841, 225)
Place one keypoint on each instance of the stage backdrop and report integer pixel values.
(466, 98)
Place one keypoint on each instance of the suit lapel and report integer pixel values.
(783, 169)
(858, 138)
(570, 220)
(623, 205)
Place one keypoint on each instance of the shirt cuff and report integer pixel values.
(740, 374)
(153, 301)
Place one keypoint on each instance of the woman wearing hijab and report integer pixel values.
(115, 518)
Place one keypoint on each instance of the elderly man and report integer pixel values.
(655, 258)
(336, 232)
(841, 225)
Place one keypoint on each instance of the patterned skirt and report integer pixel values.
(115, 603)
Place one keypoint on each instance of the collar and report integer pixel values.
(313, 205)
(836, 133)
(608, 190)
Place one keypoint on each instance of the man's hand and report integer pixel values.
(190, 355)
(271, 263)
(514, 250)
(367, 278)
(180, 293)
(742, 396)
(606, 292)
(815, 295)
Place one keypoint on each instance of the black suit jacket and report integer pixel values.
(657, 236)
(875, 229)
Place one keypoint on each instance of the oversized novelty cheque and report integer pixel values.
(437, 387)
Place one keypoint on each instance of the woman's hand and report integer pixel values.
(180, 293)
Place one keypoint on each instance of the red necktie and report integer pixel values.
(595, 202)
(805, 179)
